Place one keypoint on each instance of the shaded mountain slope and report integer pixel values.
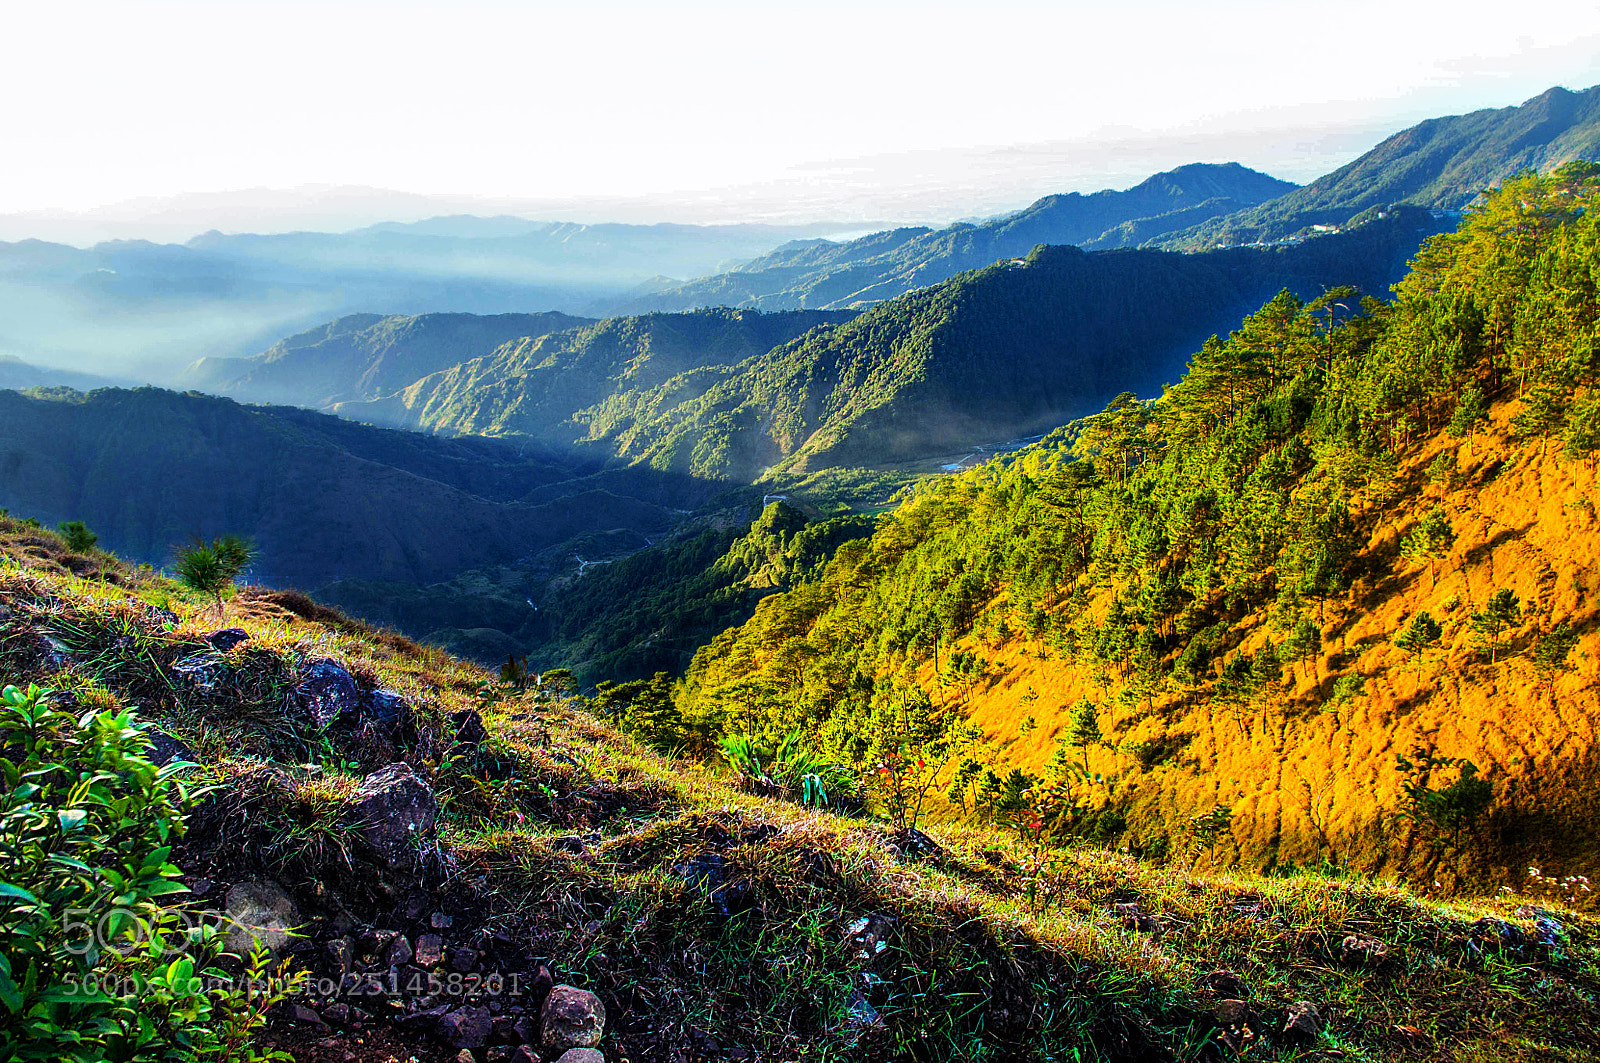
(363, 356)
(325, 499)
(1442, 163)
(886, 264)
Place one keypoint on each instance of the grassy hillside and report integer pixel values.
(857, 273)
(1216, 623)
(1441, 163)
(448, 846)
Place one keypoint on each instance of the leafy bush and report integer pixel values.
(95, 962)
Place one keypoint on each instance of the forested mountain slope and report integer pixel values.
(567, 386)
(1441, 163)
(820, 273)
(1331, 598)
(363, 356)
(1001, 352)
(149, 470)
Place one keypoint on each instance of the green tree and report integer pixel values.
(80, 540)
(1422, 633)
(1503, 611)
(1083, 728)
(1470, 416)
(210, 568)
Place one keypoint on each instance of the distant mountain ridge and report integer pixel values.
(822, 274)
(1442, 163)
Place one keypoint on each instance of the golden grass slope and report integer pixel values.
(1308, 778)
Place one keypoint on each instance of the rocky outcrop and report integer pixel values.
(394, 811)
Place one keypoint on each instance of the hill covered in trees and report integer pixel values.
(363, 356)
(449, 864)
(1329, 600)
(1443, 163)
(1005, 351)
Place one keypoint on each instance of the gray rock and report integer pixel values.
(165, 749)
(464, 1027)
(1302, 1021)
(1497, 932)
(394, 809)
(469, 727)
(259, 910)
(1549, 933)
(1231, 1012)
(581, 1055)
(463, 960)
(1225, 984)
(386, 709)
(858, 1011)
(1364, 950)
(227, 638)
(327, 692)
(341, 953)
(399, 953)
(571, 1018)
(200, 673)
(430, 950)
(300, 1015)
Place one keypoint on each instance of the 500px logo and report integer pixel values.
(125, 931)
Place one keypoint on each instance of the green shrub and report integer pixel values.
(80, 540)
(96, 963)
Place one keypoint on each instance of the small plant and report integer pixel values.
(87, 823)
(1442, 469)
(1571, 890)
(210, 568)
(80, 540)
(1207, 828)
(792, 769)
(1083, 730)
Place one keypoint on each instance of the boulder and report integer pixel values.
(327, 692)
(571, 1018)
(227, 638)
(393, 809)
(581, 1055)
(388, 710)
(464, 1027)
(1231, 1012)
(259, 910)
(1302, 1021)
(1497, 932)
(200, 673)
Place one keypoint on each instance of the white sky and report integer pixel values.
(107, 101)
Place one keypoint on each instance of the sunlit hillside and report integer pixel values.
(1212, 626)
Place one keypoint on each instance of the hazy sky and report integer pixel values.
(107, 101)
